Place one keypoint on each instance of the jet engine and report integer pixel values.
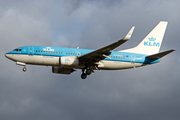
(61, 70)
(68, 61)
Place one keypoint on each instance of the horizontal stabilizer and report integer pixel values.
(160, 55)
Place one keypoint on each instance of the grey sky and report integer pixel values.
(147, 93)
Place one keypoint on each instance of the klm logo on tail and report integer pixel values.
(151, 42)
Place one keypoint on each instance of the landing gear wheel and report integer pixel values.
(83, 76)
(88, 71)
(24, 69)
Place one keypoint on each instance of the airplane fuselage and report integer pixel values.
(49, 56)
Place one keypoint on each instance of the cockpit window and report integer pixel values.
(17, 50)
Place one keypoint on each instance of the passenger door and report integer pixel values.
(31, 50)
(133, 58)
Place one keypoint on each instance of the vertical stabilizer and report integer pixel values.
(152, 42)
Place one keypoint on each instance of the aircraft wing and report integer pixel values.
(104, 52)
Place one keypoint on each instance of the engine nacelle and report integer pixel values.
(68, 61)
(61, 70)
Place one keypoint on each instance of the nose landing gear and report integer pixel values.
(22, 64)
(24, 69)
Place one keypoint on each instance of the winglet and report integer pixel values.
(128, 36)
(159, 55)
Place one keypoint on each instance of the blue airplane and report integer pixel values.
(66, 60)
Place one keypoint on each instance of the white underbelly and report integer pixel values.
(37, 60)
(54, 61)
(116, 65)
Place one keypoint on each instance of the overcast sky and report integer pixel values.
(146, 93)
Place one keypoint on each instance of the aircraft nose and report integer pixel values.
(5, 55)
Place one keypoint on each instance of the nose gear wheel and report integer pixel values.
(24, 69)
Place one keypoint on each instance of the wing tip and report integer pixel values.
(129, 34)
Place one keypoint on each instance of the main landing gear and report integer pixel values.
(84, 74)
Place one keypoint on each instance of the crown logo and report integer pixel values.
(152, 39)
(67, 60)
